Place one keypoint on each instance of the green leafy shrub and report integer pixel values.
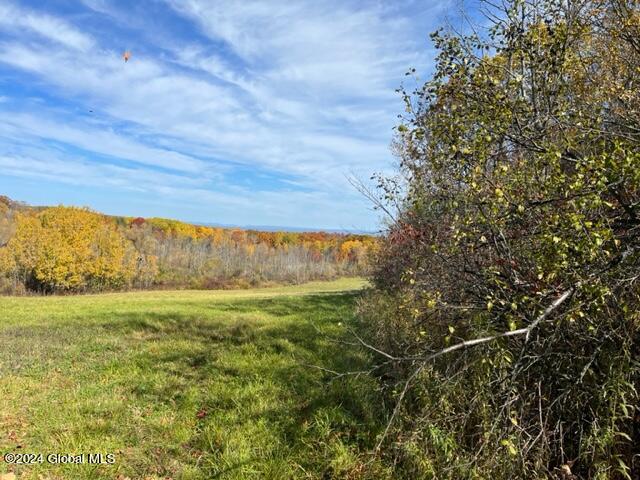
(518, 232)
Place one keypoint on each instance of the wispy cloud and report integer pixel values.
(302, 92)
(48, 26)
(97, 138)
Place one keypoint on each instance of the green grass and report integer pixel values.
(186, 384)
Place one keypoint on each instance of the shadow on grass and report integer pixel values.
(277, 352)
(245, 345)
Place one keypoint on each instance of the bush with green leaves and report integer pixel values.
(507, 288)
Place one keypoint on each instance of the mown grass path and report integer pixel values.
(185, 385)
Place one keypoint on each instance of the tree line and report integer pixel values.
(68, 249)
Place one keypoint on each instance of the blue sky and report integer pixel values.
(233, 112)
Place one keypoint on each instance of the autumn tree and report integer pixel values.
(70, 249)
(64, 250)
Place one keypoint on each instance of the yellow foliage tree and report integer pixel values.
(351, 250)
(7, 263)
(70, 249)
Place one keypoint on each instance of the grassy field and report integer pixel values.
(185, 384)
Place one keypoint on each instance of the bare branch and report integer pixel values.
(458, 346)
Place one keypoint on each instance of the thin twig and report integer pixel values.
(397, 407)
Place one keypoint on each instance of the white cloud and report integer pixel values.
(15, 18)
(301, 88)
(236, 206)
(317, 48)
(98, 139)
